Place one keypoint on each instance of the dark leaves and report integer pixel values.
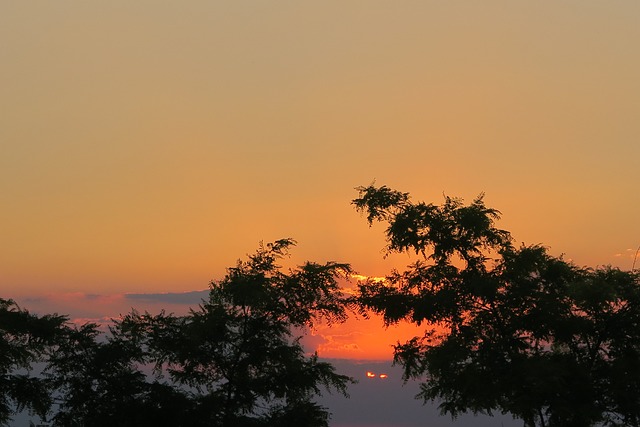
(515, 329)
(234, 361)
(25, 340)
(436, 232)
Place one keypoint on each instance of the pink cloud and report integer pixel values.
(84, 307)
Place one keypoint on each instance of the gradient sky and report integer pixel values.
(145, 146)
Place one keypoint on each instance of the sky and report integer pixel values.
(146, 146)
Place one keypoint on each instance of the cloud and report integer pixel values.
(101, 308)
(629, 253)
(363, 278)
(192, 298)
(344, 345)
(358, 338)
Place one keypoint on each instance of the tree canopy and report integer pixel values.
(236, 360)
(509, 329)
(238, 355)
(25, 339)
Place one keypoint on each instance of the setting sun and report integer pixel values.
(374, 375)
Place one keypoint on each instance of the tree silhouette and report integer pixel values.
(238, 357)
(96, 382)
(510, 329)
(25, 339)
(237, 360)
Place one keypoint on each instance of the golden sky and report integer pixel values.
(147, 145)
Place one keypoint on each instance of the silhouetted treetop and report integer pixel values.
(522, 332)
(239, 353)
(236, 360)
(25, 339)
(446, 230)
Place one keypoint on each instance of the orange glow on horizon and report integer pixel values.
(360, 339)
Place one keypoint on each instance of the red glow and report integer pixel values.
(384, 376)
(370, 375)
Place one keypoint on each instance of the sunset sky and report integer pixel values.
(145, 146)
